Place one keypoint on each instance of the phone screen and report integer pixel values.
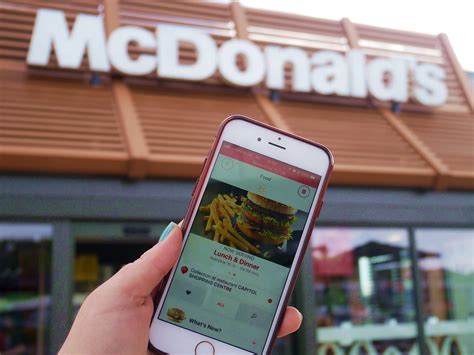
(242, 243)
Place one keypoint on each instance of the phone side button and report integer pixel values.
(195, 186)
(200, 172)
(203, 165)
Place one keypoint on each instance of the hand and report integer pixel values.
(115, 317)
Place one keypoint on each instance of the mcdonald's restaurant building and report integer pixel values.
(108, 108)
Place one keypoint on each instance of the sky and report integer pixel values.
(453, 17)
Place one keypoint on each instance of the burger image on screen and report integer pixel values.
(176, 315)
(265, 221)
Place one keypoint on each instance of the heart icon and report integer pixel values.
(188, 292)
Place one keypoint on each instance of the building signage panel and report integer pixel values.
(325, 72)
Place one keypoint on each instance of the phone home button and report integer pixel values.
(204, 348)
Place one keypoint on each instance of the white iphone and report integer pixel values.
(245, 234)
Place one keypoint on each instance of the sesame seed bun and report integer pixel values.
(270, 204)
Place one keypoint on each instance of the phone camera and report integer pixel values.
(259, 139)
(279, 138)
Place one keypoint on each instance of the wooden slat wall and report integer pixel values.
(53, 120)
(54, 125)
(362, 143)
(179, 125)
(300, 25)
(451, 138)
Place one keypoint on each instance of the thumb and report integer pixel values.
(144, 274)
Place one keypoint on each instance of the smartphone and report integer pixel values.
(249, 222)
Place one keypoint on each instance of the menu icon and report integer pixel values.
(303, 191)
(227, 163)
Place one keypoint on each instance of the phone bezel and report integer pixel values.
(244, 132)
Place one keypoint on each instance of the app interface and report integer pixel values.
(241, 246)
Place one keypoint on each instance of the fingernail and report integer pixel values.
(167, 231)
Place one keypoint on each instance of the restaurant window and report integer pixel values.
(25, 283)
(447, 289)
(364, 291)
(103, 248)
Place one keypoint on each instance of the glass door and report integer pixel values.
(364, 291)
(25, 283)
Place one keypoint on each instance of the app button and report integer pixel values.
(194, 294)
(253, 316)
(227, 163)
(176, 315)
(303, 191)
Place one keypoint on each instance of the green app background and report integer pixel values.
(206, 286)
(230, 312)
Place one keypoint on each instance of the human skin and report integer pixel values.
(115, 317)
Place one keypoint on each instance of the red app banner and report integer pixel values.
(275, 166)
